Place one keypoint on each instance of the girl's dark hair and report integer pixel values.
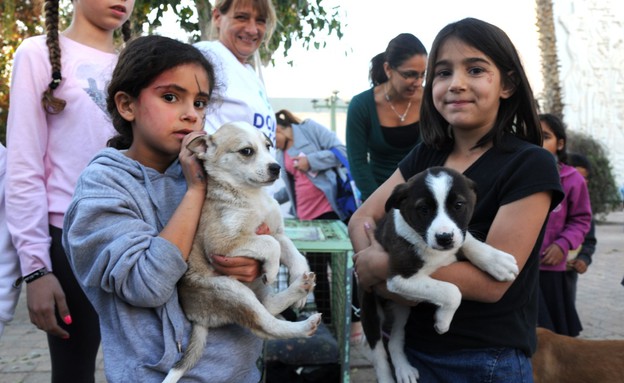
(578, 160)
(286, 118)
(400, 49)
(516, 115)
(559, 129)
(141, 61)
(50, 103)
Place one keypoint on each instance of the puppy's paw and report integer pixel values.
(298, 269)
(445, 313)
(406, 373)
(441, 327)
(503, 266)
(313, 323)
(308, 281)
(303, 286)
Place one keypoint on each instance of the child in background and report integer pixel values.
(583, 257)
(567, 226)
(478, 117)
(57, 122)
(304, 150)
(131, 223)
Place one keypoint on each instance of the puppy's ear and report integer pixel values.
(198, 145)
(398, 195)
(472, 189)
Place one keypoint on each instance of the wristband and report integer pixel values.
(31, 277)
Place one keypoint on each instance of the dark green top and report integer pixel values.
(371, 158)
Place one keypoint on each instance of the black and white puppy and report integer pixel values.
(425, 228)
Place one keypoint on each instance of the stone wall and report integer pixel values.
(590, 43)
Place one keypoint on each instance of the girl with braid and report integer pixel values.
(57, 122)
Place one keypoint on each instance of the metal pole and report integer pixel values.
(331, 103)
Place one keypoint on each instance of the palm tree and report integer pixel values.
(551, 98)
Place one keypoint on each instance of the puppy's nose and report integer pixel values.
(274, 169)
(445, 240)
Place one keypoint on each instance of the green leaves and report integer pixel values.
(302, 21)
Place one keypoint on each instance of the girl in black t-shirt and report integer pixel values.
(478, 117)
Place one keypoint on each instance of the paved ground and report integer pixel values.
(24, 356)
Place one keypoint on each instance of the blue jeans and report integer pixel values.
(490, 365)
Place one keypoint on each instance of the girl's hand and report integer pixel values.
(371, 263)
(579, 265)
(44, 296)
(553, 255)
(241, 268)
(192, 167)
(301, 163)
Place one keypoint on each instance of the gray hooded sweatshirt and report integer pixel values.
(129, 273)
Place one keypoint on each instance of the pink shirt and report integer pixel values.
(46, 153)
(310, 200)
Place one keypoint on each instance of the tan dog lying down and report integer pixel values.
(238, 165)
(564, 359)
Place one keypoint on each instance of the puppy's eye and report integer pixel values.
(423, 209)
(247, 152)
(459, 205)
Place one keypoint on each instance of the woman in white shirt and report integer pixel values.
(241, 27)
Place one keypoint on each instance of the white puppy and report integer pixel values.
(239, 164)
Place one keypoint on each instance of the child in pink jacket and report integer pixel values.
(567, 226)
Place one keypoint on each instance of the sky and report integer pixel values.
(368, 26)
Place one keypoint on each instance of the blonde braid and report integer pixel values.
(50, 103)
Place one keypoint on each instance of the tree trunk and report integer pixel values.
(204, 14)
(552, 98)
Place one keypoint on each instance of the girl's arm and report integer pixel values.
(370, 259)
(26, 194)
(578, 220)
(515, 230)
(357, 135)
(324, 140)
(576, 226)
(27, 137)
(181, 228)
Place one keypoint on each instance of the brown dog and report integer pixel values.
(561, 358)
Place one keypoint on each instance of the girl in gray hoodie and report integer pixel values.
(131, 223)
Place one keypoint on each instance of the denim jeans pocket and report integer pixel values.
(488, 365)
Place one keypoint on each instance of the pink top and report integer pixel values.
(46, 153)
(311, 201)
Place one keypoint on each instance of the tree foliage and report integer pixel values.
(303, 21)
(603, 191)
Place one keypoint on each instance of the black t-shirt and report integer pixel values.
(402, 136)
(511, 171)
